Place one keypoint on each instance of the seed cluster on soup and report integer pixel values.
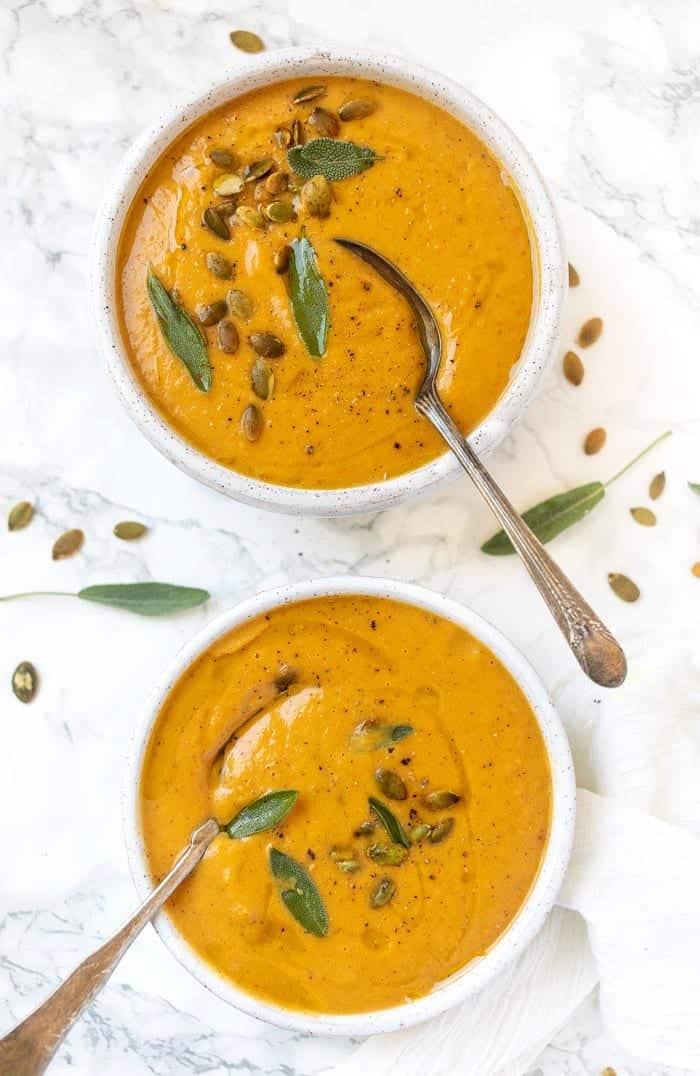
(384, 795)
(270, 348)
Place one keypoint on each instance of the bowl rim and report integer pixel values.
(532, 914)
(545, 240)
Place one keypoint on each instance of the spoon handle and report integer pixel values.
(597, 651)
(28, 1049)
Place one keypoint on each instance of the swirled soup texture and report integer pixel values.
(437, 203)
(356, 660)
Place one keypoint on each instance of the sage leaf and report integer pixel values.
(330, 157)
(146, 599)
(181, 334)
(298, 893)
(695, 486)
(549, 518)
(390, 822)
(308, 296)
(263, 813)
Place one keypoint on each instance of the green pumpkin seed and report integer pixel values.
(279, 212)
(573, 368)
(211, 313)
(574, 278)
(341, 851)
(437, 801)
(129, 530)
(267, 344)
(261, 194)
(644, 516)
(297, 133)
(624, 587)
(365, 829)
(442, 830)
(277, 183)
(281, 257)
(227, 337)
(590, 332)
(387, 855)
(308, 93)
(219, 266)
(25, 681)
(228, 184)
(283, 137)
(68, 544)
(316, 196)
(419, 833)
(212, 219)
(240, 304)
(657, 485)
(246, 41)
(251, 423)
(226, 208)
(594, 441)
(382, 893)
(324, 123)
(357, 109)
(20, 516)
(390, 784)
(249, 216)
(258, 169)
(262, 379)
(348, 866)
(222, 158)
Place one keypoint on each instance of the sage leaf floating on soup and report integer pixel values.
(556, 514)
(263, 813)
(181, 334)
(330, 157)
(308, 296)
(298, 893)
(390, 822)
(146, 599)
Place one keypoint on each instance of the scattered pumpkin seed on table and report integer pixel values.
(573, 368)
(623, 586)
(644, 516)
(695, 569)
(589, 332)
(246, 41)
(129, 530)
(594, 441)
(20, 516)
(574, 278)
(25, 681)
(67, 544)
(657, 485)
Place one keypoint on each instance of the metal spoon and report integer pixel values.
(598, 653)
(28, 1049)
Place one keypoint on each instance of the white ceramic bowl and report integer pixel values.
(545, 241)
(475, 975)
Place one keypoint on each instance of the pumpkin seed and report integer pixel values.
(390, 784)
(442, 830)
(247, 215)
(222, 158)
(574, 278)
(437, 801)
(348, 866)
(590, 332)
(358, 109)
(371, 734)
(695, 569)
(213, 220)
(279, 212)
(227, 184)
(219, 266)
(246, 41)
(258, 169)
(227, 337)
(277, 183)
(341, 851)
(251, 423)
(281, 259)
(25, 681)
(129, 530)
(594, 441)
(20, 516)
(296, 132)
(262, 379)
(387, 855)
(324, 123)
(657, 485)
(365, 829)
(68, 544)
(308, 93)
(286, 677)
(210, 313)
(644, 516)
(573, 368)
(624, 587)
(382, 893)
(267, 344)
(419, 833)
(261, 193)
(240, 304)
(316, 196)
(283, 137)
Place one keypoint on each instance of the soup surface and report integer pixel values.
(468, 759)
(435, 201)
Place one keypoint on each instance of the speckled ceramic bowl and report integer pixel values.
(473, 976)
(545, 240)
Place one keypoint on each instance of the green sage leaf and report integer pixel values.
(390, 822)
(263, 813)
(298, 893)
(695, 486)
(181, 334)
(308, 295)
(330, 157)
(146, 599)
(549, 518)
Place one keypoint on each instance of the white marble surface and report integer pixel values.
(606, 96)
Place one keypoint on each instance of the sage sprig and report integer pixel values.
(145, 599)
(388, 819)
(307, 291)
(180, 332)
(549, 518)
(695, 486)
(298, 893)
(263, 813)
(330, 157)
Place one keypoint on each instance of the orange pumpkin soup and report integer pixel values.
(307, 363)
(413, 799)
